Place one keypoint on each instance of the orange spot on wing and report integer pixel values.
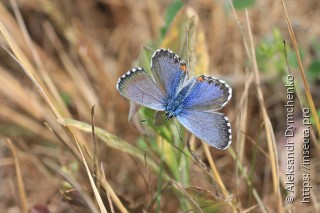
(200, 78)
(183, 67)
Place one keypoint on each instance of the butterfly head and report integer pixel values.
(169, 115)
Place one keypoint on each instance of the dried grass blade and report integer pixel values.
(233, 154)
(47, 80)
(111, 194)
(268, 127)
(301, 69)
(217, 176)
(73, 182)
(93, 185)
(21, 188)
(26, 67)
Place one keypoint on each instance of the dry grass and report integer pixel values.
(67, 57)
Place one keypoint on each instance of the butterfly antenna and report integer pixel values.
(180, 140)
(179, 133)
(157, 115)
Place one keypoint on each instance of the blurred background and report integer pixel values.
(76, 51)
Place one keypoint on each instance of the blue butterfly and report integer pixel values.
(194, 102)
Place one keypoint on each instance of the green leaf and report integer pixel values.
(145, 58)
(170, 14)
(186, 38)
(66, 97)
(314, 70)
(242, 4)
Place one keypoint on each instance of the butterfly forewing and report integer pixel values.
(211, 127)
(138, 86)
(168, 70)
(206, 94)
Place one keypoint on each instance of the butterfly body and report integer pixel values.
(193, 102)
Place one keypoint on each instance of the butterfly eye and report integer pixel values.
(169, 115)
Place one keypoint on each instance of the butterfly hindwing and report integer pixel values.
(168, 70)
(138, 86)
(211, 127)
(206, 94)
